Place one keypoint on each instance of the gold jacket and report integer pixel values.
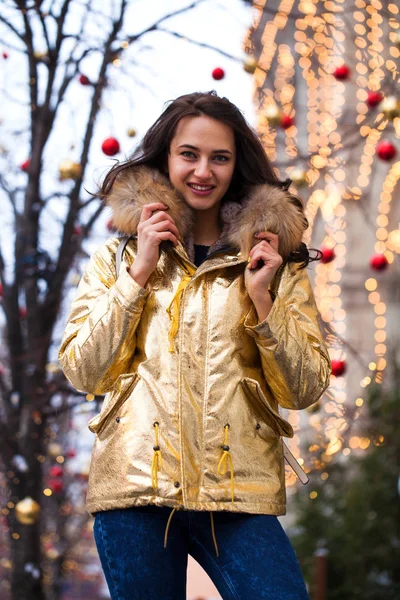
(190, 417)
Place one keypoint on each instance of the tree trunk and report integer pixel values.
(26, 576)
(25, 543)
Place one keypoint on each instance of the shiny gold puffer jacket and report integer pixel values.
(191, 420)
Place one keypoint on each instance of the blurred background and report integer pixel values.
(80, 84)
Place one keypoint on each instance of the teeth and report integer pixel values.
(201, 188)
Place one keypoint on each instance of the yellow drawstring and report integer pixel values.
(225, 459)
(175, 304)
(167, 527)
(212, 530)
(157, 461)
(213, 533)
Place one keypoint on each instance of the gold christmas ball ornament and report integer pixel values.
(69, 170)
(41, 56)
(390, 107)
(27, 511)
(397, 39)
(131, 132)
(250, 63)
(273, 114)
(54, 450)
(299, 177)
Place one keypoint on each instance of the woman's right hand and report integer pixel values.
(155, 226)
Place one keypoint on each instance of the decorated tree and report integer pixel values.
(354, 514)
(326, 88)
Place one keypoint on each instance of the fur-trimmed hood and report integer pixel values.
(265, 207)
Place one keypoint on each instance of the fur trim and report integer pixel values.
(268, 208)
(265, 208)
(138, 186)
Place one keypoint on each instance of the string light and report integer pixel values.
(319, 42)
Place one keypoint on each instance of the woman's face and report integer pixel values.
(201, 160)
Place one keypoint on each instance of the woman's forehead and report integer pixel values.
(204, 132)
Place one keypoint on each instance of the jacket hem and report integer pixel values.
(263, 508)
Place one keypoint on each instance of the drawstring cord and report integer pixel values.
(175, 305)
(157, 460)
(212, 530)
(213, 533)
(167, 527)
(226, 460)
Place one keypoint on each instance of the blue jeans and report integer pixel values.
(256, 559)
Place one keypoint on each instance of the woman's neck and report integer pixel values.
(206, 229)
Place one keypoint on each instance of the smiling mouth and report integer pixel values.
(201, 188)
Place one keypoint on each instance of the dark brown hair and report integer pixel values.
(252, 165)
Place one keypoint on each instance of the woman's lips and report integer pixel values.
(201, 190)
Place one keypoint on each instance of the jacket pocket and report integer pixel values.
(253, 389)
(123, 389)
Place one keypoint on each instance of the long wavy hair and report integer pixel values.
(252, 164)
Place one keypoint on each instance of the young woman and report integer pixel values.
(208, 326)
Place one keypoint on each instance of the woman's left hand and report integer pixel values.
(257, 280)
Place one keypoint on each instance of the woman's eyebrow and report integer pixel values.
(195, 148)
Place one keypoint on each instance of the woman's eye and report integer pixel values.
(188, 154)
(221, 158)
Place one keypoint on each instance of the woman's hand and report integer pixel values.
(155, 226)
(257, 280)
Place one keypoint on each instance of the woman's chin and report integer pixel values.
(201, 204)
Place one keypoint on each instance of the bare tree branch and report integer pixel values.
(44, 27)
(199, 44)
(66, 253)
(12, 28)
(11, 194)
(88, 227)
(155, 26)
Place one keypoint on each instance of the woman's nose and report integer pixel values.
(202, 170)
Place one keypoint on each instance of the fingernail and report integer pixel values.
(249, 259)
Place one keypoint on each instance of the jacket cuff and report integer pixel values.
(267, 332)
(130, 294)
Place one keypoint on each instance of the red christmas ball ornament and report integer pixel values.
(218, 73)
(342, 73)
(386, 150)
(338, 367)
(110, 146)
(56, 485)
(77, 230)
(328, 254)
(378, 262)
(110, 225)
(286, 121)
(374, 98)
(56, 471)
(25, 165)
(5, 55)
(84, 80)
(23, 312)
(71, 453)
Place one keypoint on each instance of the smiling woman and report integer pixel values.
(201, 162)
(205, 328)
